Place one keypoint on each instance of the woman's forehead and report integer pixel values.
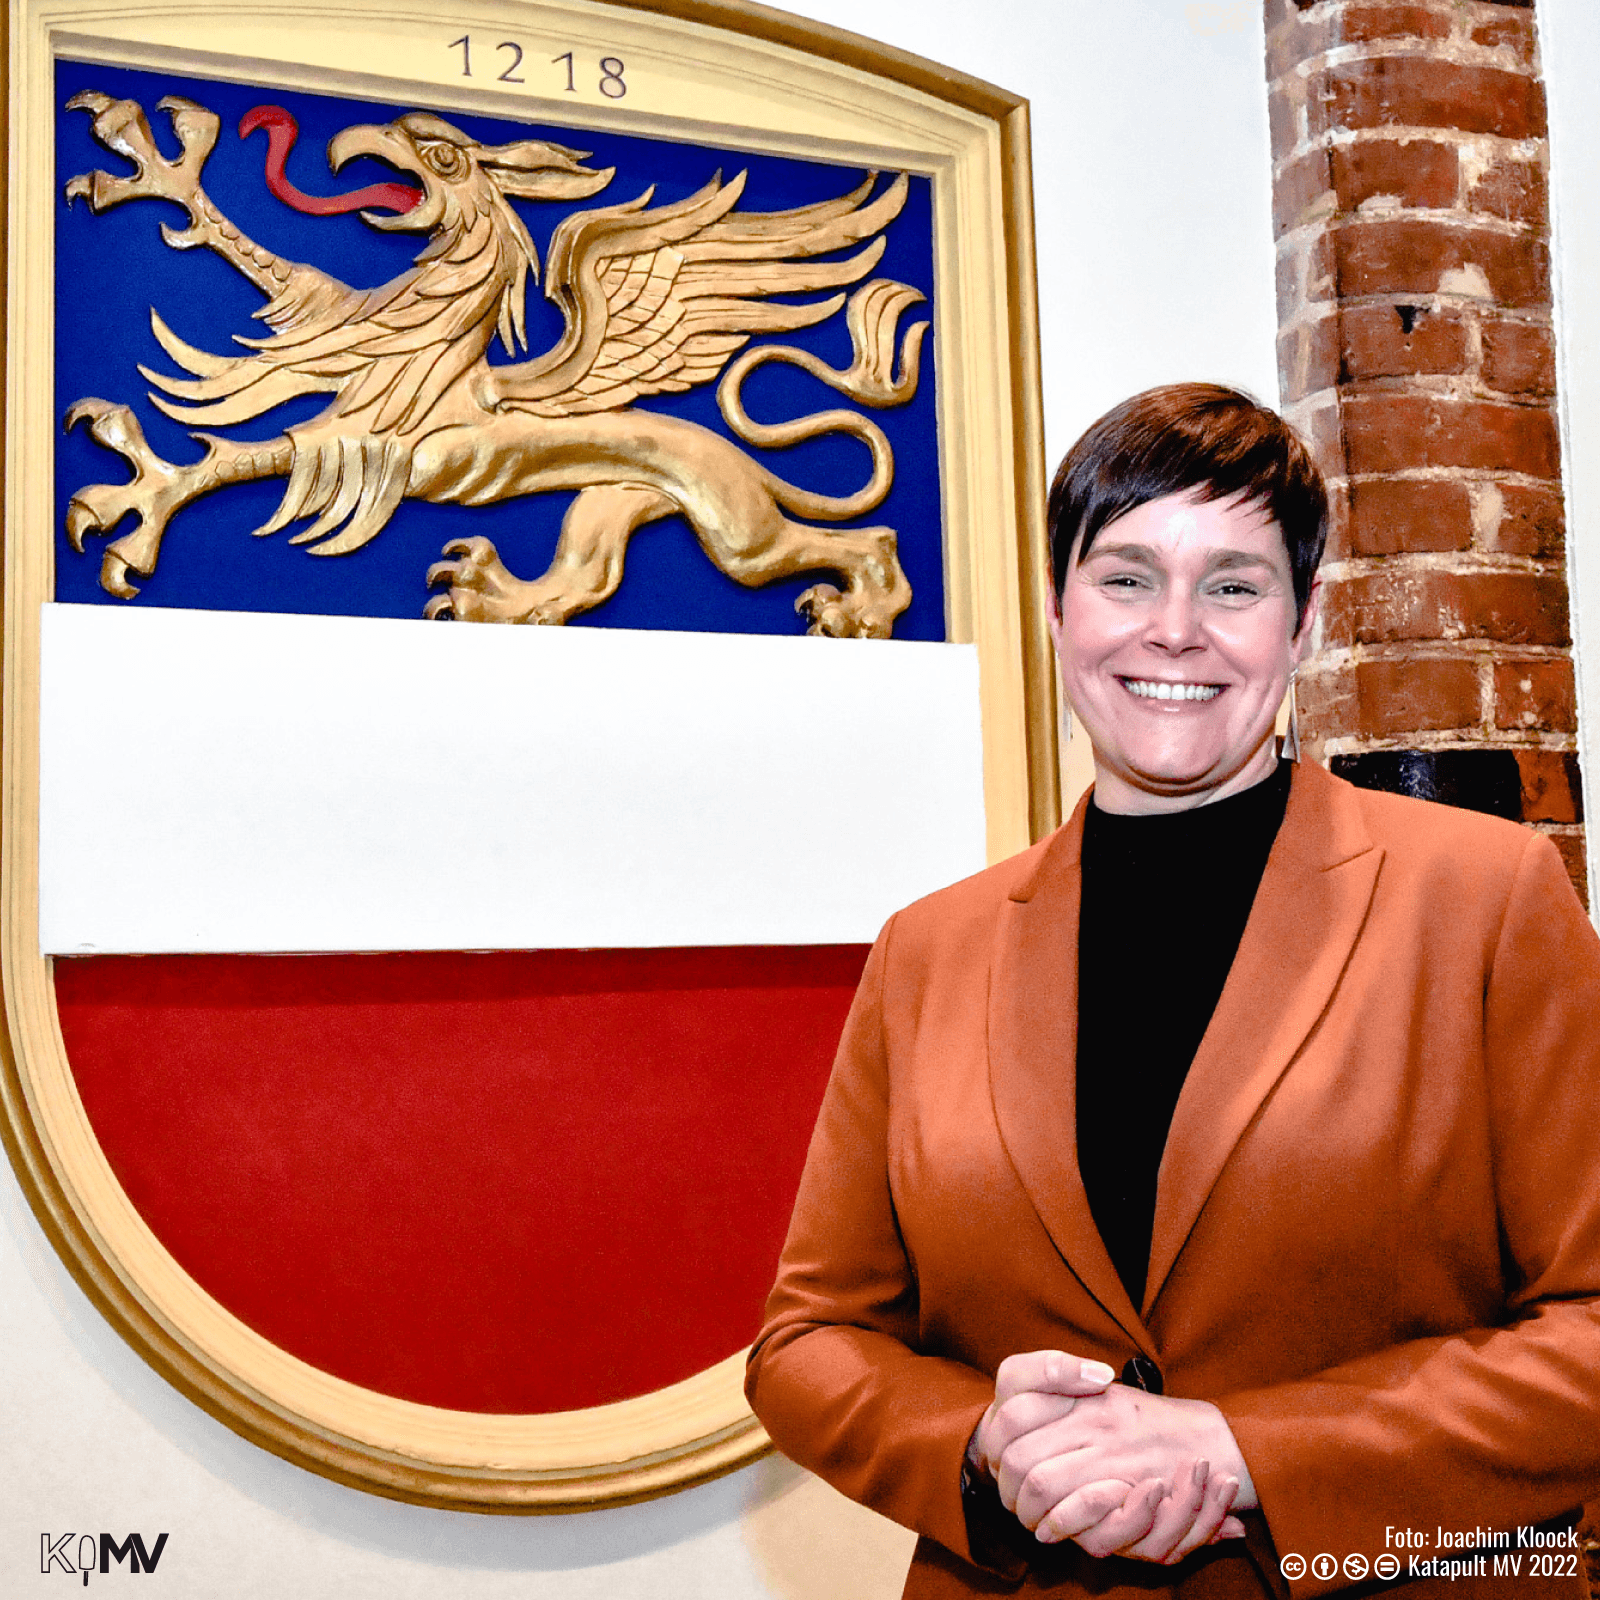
(1233, 531)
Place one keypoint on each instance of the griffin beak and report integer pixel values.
(389, 145)
(369, 139)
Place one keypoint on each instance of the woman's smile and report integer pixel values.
(1172, 694)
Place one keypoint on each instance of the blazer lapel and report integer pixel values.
(1313, 900)
(1033, 1036)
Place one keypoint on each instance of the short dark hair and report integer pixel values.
(1190, 437)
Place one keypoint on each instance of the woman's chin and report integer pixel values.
(1187, 775)
(1175, 773)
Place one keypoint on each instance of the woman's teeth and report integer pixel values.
(1149, 689)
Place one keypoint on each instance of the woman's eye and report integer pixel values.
(1123, 580)
(1234, 589)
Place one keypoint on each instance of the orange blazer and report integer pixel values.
(1377, 1231)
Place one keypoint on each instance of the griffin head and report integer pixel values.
(462, 178)
(463, 205)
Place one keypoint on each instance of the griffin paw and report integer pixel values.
(121, 126)
(827, 612)
(481, 588)
(855, 615)
(151, 495)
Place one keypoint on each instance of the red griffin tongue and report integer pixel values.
(282, 132)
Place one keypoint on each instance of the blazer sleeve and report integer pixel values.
(1495, 1427)
(835, 1376)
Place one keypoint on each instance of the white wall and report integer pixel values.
(1152, 182)
(1151, 166)
(1569, 34)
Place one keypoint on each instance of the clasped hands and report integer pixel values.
(1078, 1456)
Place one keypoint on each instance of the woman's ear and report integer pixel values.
(1300, 644)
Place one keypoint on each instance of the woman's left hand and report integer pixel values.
(1183, 1446)
(1154, 1522)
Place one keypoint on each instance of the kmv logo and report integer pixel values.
(56, 1555)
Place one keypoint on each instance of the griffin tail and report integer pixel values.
(873, 316)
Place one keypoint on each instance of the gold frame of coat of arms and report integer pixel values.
(695, 69)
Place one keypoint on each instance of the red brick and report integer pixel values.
(1398, 516)
(1400, 341)
(1325, 702)
(1422, 173)
(1411, 255)
(1324, 432)
(1283, 120)
(1391, 432)
(1301, 186)
(1308, 358)
(1338, 546)
(1511, 27)
(1410, 603)
(1305, 273)
(1518, 357)
(1537, 695)
(1296, 39)
(1365, 24)
(1321, 272)
(1575, 859)
(1533, 522)
(1417, 696)
(1552, 789)
(1419, 91)
(1516, 190)
(1290, 270)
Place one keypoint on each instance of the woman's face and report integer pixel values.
(1177, 635)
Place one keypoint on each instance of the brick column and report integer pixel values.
(1415, 351)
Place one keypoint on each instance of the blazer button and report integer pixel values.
(1141, 1372)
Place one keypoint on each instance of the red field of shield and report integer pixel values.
(522, 1182)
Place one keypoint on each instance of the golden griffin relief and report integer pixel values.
(656, 300)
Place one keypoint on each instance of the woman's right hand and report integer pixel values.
(1031, 1391)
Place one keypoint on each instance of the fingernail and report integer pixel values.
(1095, 1372)
(1201, 1468)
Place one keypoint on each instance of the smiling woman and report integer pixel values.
(1179, 628)
(1176, 639)
(1208, 1187)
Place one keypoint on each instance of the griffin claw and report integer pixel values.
(114, 577)
(82, 411)
(821, 605)
(80, 520)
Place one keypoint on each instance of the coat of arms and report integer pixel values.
(419, 1068)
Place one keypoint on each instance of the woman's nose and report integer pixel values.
(1175, 622)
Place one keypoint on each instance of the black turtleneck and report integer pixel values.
(1165, 901)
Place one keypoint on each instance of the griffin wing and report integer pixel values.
(657, 300)
(397, 337)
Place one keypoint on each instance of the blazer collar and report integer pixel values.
(1033, 1041)
(1307, 915)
